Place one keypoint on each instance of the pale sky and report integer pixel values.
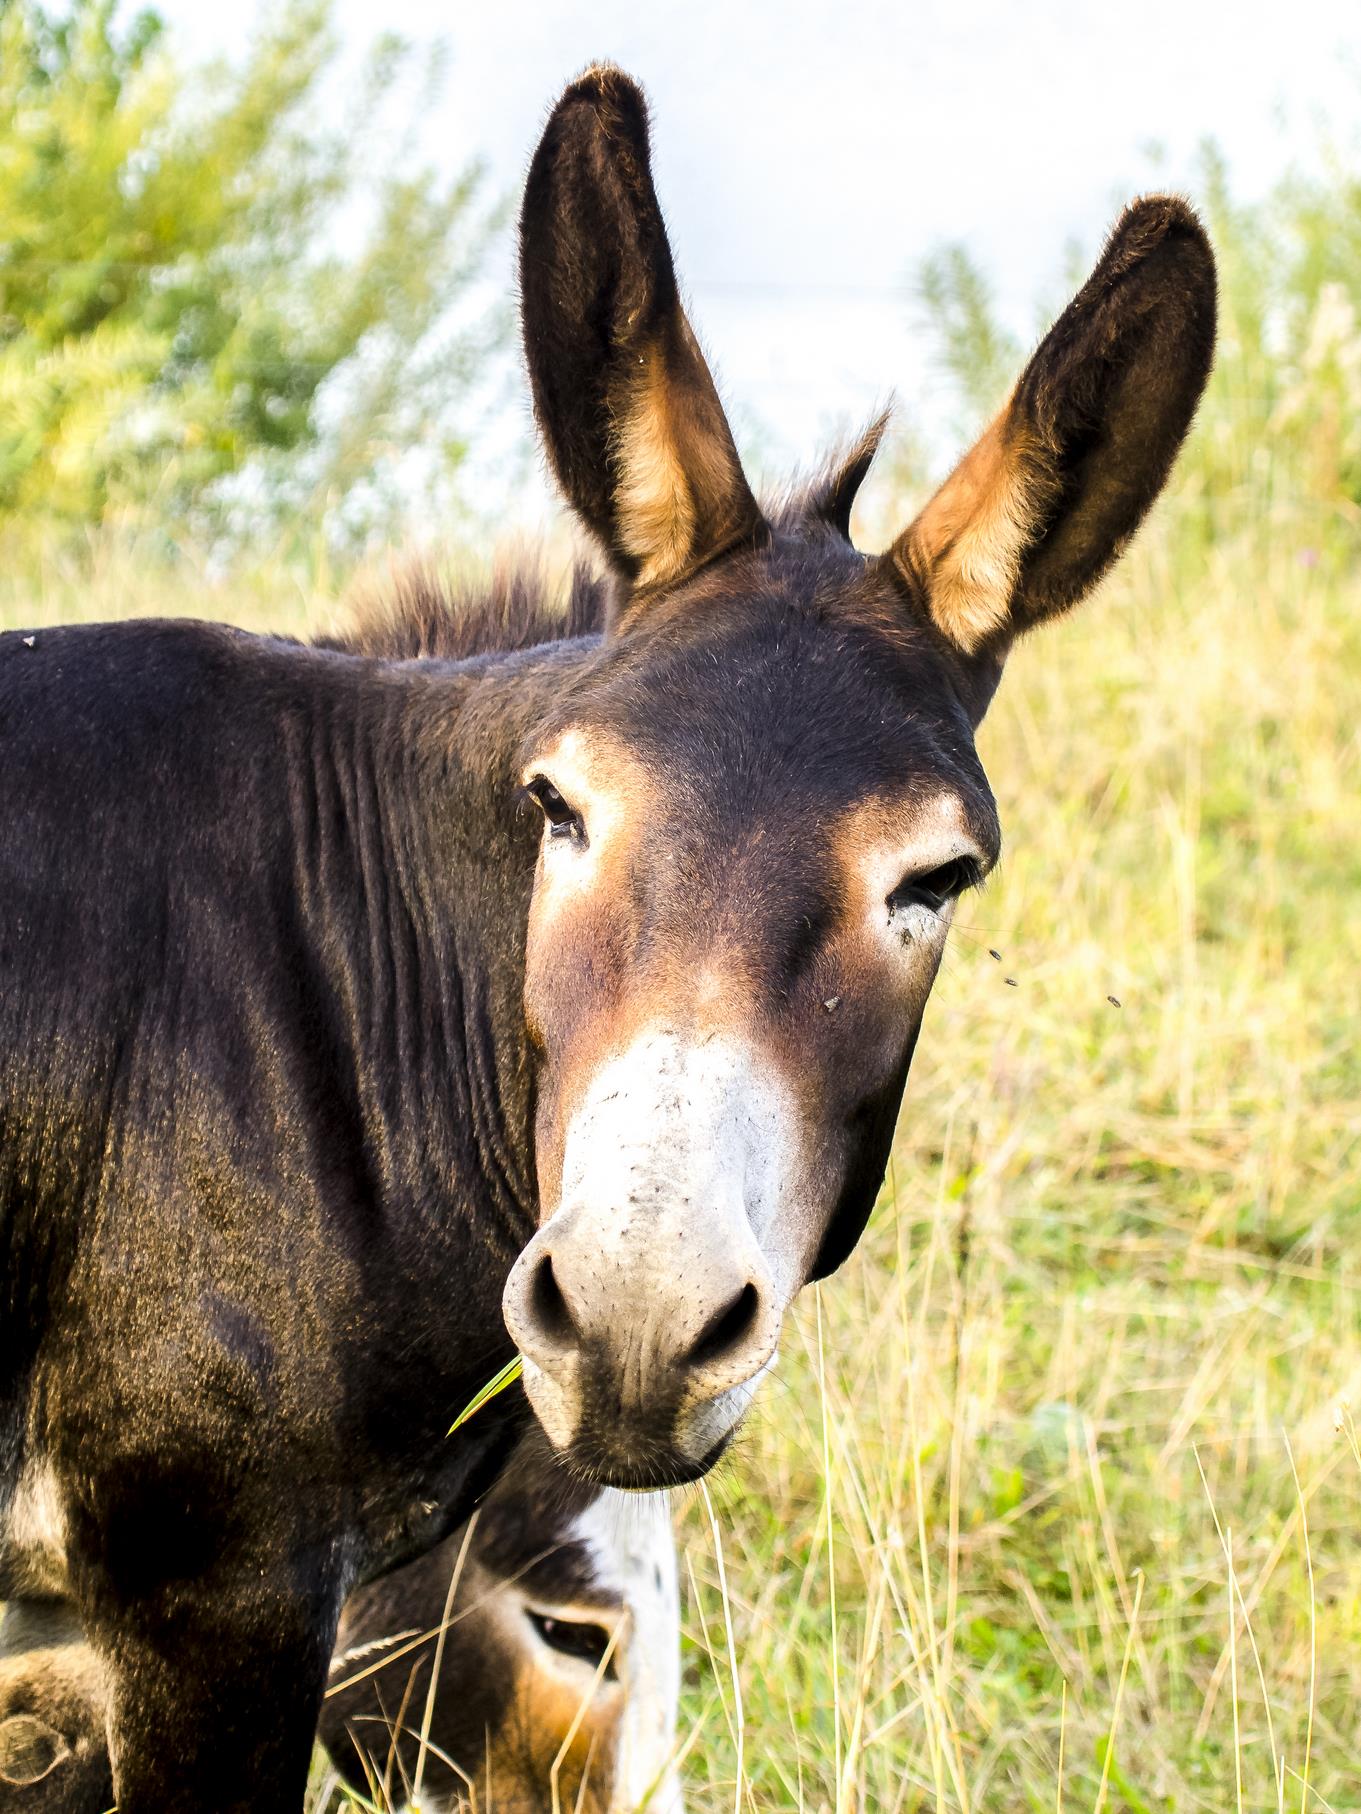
(808, 156)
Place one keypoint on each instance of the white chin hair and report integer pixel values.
(555, 1402)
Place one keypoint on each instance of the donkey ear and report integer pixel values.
(1047, 498)
(633, 425)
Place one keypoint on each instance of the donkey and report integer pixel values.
(362, 1022)
(559, 1679)
(545, 1635)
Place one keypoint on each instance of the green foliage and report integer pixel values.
(174, 308)
(978, 356)
(1278, 439)
(1281, 430)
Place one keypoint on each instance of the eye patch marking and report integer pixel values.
(906, 861)
(592, 796)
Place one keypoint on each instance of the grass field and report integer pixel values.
(1089, 1513)
(1055, 1500)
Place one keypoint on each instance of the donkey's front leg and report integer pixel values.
(214, 1700)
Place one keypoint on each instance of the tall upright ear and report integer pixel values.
(633, 425)
(1048, 497)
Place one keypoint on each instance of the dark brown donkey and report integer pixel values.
(529, 1662)
(344, 1001)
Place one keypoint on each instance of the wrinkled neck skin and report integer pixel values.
(414, 866)
(301, 1047)
(431, 841)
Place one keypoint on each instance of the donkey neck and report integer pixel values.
(418, 863)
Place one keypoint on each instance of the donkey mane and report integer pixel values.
(821, 500)
(424, 615)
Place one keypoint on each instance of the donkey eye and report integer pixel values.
(574, 1639)
(934, 887)
(563, 820)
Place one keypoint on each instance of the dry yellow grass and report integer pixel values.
(1109, 1304)
(1048, 1507)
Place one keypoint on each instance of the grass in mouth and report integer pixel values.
(498, 1382)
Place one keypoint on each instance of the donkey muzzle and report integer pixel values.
(641, 1356)
(649, 1303)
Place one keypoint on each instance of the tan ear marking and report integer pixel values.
(967, 543)
(656, 511)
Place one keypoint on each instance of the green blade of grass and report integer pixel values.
(497, 1383)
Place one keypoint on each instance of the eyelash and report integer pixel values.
(588, 1643)
(563, 821)
(934, 887)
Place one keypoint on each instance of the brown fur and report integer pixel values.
(824, 501)
(681, 496)
(1038, 509)
(964, 549)
(419, 613)
(656, 511)
(632, 420)
(53, 1755)
(496, 1715)
(496, 1711)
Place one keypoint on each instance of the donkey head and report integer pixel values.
(761, 798)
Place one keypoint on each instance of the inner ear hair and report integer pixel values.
(680, 494)
(629, 413)
(1052, 491)
(654, 508)
(965, 548)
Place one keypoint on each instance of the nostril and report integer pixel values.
(552, 1317)
(729, 1328)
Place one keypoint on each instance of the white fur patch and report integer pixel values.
(569, 865)
(673, 1123)
(33, 1538)
(630, 1540)
(680, 1184)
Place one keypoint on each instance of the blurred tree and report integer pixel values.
(976, 353)
(181, 333)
